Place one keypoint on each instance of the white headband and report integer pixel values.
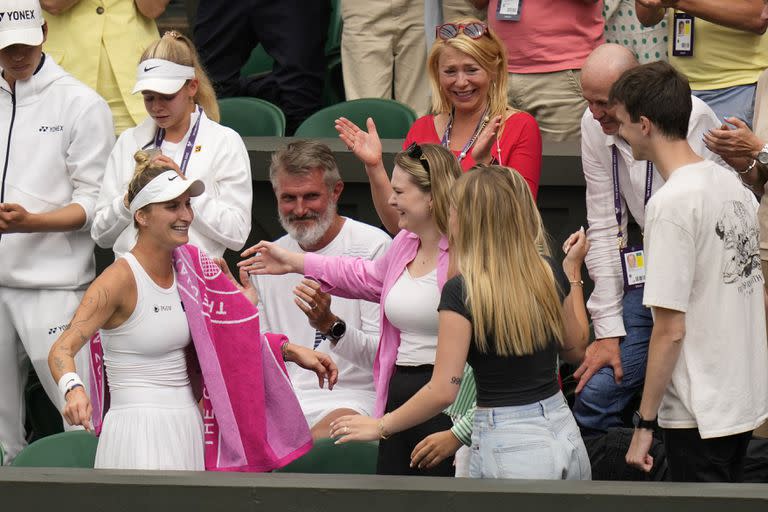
(168, 185)
(161, 76)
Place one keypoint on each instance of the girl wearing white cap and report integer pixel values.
(182, 123)
(153, 421)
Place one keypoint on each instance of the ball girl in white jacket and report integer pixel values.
(182, 125)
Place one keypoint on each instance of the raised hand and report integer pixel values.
(365, 145)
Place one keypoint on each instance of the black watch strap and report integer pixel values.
(639, 422)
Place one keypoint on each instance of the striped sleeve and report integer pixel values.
(462, 410)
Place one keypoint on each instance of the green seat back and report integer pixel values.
(393, 119)
(75, 449)
(258, 63)
(333, 44)
(353, 458)
(252, 117)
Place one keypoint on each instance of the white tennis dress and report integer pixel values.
(153, 420)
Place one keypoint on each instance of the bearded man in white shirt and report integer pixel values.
(307, 184)
(617, 184)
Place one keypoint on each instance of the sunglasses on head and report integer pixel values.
(451, 30)
(414, 151)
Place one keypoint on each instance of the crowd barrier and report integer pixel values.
(35, 489)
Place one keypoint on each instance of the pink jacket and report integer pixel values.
(371, 280)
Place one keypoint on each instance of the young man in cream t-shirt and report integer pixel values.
(707, 372)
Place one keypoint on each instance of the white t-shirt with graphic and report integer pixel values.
(701, 242)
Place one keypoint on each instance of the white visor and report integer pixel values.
(162, 76)
(165, 187)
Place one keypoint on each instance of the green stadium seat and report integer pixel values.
(74, 449)
(258, 63)
(393, 119)
(252, 117)
(354, 458)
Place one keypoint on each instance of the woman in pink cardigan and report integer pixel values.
(406, 281)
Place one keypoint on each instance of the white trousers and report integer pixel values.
(30, 322)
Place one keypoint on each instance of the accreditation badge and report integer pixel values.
(509, 10)
(633, 267)
(682, 35)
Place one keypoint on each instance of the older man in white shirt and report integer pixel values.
(617, 184)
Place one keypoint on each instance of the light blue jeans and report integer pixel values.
(534, 441)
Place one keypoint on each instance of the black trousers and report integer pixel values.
(293, 32)
(395, 452)
(693, 459)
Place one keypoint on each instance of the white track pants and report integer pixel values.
(30, 322)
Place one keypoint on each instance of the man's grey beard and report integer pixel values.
(309, 235)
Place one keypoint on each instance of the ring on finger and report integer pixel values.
(313, 306)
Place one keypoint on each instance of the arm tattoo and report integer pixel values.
(456, 380)
(91, 305)
(59, 364)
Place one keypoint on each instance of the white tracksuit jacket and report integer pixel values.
(55, 136)
(222, 212)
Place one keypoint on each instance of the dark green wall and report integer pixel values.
(31, 489)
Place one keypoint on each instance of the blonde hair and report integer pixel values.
(511, 291)
(176, 47)
(444, 170)
(146, 170)
(489, 52)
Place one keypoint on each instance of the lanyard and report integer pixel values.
(160, 135)
(617, 193)
(446, 140)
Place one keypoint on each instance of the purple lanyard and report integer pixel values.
(160, 136)
(617, 193)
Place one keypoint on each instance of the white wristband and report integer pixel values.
(69, 381)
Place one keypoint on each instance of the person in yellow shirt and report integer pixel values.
(100, 43)
(727, 50)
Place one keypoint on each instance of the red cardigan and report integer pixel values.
(520, 145)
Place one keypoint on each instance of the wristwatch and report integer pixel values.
(762, 155)
(639, 422)
(337, 331)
